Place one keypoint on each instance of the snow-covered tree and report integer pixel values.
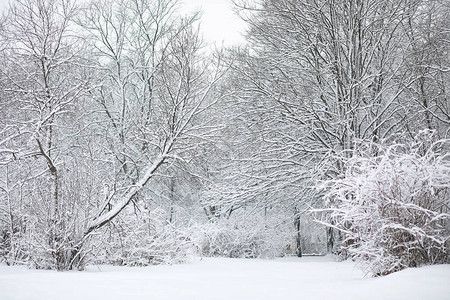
(318, 75)
(43, 86)
(157, 83)
(98, 102)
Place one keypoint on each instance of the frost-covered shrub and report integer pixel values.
(147, 239)
(250, 236)
(392, 205)
(13, 247)
(33, 241)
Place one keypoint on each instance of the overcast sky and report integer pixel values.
(219, 24)
(3, 3)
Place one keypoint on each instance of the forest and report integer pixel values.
(126, 139)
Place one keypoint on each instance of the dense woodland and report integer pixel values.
(125, 139)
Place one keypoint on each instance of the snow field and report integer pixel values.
(221, 278)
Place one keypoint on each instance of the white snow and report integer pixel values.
(220, 278)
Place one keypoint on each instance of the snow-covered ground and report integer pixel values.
(219, 278)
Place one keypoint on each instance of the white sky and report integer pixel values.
(219, 24)
(3, 4)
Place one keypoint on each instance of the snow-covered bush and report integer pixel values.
(392, 205)
(13, 245)
(31, 240)
(248, 236)
(147, 239)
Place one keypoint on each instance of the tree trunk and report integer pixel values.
(330, 240)
(298, 238)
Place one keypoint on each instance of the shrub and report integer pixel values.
(243, 236)
(392, 205)
(145, 240)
